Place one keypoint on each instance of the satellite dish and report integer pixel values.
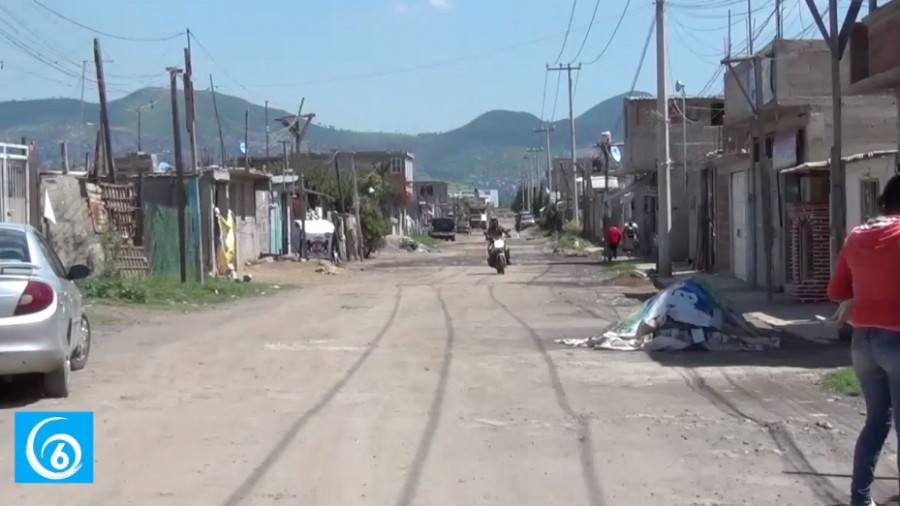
(615, 153)
(243, 148)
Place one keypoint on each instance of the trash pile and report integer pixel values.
(685, 316)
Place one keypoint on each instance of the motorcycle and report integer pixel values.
(497, 255)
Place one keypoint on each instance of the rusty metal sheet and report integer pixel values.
(96, 209)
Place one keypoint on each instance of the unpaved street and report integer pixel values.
(425, 379)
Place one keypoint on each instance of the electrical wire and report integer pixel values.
(612, 36)
(556, 96)
(544, 95)
(568, 31)
(105, 34)
(637, 73)
(588, 32)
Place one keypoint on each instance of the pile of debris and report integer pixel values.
(685, 316)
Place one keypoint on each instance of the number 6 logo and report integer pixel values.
(63, 466)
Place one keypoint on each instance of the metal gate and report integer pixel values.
(14, 184)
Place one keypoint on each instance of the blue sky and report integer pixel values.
(390, 65)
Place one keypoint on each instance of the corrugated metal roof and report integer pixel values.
(824, 165)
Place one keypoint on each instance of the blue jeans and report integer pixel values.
(876, 361)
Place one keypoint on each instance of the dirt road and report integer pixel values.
(427, 380)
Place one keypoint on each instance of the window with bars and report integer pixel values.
(868, 198)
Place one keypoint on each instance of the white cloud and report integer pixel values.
(441, 4)
(401, 8)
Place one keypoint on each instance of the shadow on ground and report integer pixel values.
(794, 352)
(20, 391)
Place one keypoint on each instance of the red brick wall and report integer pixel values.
(814, 288)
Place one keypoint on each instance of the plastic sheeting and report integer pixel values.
(686, 315)
(225, 254)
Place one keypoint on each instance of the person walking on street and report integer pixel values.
(867, 273)
(631, 232)
(613, 238)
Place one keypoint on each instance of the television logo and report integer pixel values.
(54, 447)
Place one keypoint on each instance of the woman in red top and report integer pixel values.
(613, 238)
(868, 272)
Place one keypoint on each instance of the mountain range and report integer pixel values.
(488, 151)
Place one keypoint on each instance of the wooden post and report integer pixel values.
(104, 114)
(98, 155)
(212, 88)
(359, 229)
(195, 170)
(64, 156)
(179, 175)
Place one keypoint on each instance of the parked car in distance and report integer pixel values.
(43, 327)
(443, 228)
(463, 228)
(526, 221)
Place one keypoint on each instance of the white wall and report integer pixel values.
(876, 168)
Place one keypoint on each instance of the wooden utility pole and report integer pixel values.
(547, 130)
(247, 138)
(568, 69)
(837, 42)
(267, 132)
(359, 228)
(190, 119)
(104, 114)
(663, 176)
(64, 156)
(179, 174)
(98, 155)
(289, 225)
(212, 88)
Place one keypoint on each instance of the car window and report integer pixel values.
(14, 246)
(51, 256)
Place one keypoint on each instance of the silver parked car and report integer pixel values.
(43, 328)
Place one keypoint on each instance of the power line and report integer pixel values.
(556, 96)
(544, 95)
(568, 31)
(105, 34)
(640, 67)
(612, 36)
(588, 32)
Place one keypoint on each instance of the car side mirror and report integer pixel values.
(79, 271)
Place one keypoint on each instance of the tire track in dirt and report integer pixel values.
(244, 488)
(791, 454)
(410, 486)
(583, 428)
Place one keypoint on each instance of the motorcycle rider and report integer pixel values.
(494, 232)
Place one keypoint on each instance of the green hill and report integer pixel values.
(486, 151)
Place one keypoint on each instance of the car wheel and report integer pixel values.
(56, 383)
(83, 350)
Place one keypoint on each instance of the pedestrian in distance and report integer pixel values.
(613, 238)
(868, 273)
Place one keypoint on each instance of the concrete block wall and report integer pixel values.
(813, 288)
(722, 217)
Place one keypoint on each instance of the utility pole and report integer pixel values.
(533, 175)
(779, 20)
(547, 130)
(190, 119)
(267, 131)
(64, 156)
(247, 138)
(663, 183)
(289, 225)
(837, 40)
(359, 243)
(569, 68)
(293, 125)
(212, 88)
(104, 113)
(179, 174)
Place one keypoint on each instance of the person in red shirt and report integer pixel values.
(613, 238)
(868, 273)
